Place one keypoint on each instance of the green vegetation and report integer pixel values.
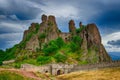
(37, 27)
(75, 43)
(60, 57)
(80, 29)
(43, 60)
(42, 36)
(8, 54)
(2, 56)
(7, 75)
(50, 23)
(29, 35)
(53, 46)
(53, 51)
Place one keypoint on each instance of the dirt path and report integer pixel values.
(23, 73)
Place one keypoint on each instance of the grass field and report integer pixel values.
(7, 75)
(102, 74)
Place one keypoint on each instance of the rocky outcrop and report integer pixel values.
(52, 31)
(92, 41)
(93, 34)
(44, 18)
(33, 44)
(72, 28)
(47, 30)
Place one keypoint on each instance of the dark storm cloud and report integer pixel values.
(110, 17)
(114, 43)
(21, 8)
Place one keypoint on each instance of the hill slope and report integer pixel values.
(44, 43)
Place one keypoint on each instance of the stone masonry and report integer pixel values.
(58, 69)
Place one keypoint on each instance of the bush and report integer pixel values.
(10, 53)
(43, 59)
(1, 63)
(73, 47)
(17, 65)
(2, 55)
(60, 42)
(50, 48)
(42, 36)
(77, 40)
(53, 46)
(37, 27)
(60, 57)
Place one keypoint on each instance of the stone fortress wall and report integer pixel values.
(96, 66)
(57, 69)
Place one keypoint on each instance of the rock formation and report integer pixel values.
(72, 28)
(47, 30)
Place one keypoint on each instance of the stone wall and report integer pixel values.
(54, 69)
(96, 66)
(58, 69)
(41, 69)
(8, 62)
(63, 68)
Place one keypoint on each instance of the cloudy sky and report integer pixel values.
(17, 15)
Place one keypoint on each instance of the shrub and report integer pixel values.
(10, 53)
(2, 55)
(53, 46)
(42, 36)
(59, 42)
(77, 40)
(73, 47)
(17, 65)
(43, 59)
(37, 27)
(60, 57)
(1, 63)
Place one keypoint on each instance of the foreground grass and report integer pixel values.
(102, 74)
(7, 75)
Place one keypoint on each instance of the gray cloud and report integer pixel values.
(17, 15)
(114, 43)
(21, 8)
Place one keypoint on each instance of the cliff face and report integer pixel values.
(47, 30)
(92, 41)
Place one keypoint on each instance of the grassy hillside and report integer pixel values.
(55, 51)
(7, 75)
(103, 74)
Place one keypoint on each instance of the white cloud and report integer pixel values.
(61, 11)
(113, 36)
